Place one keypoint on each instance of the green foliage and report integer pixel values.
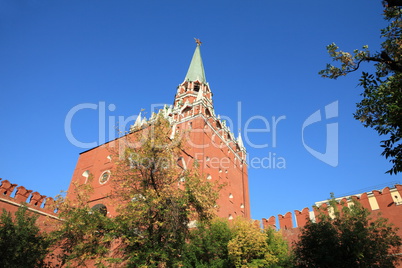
(351, 239)
(279, 248)
(381, 106)
(21, 242)
(249, 247)
(240, 243)
(84, 236)
(208, 246)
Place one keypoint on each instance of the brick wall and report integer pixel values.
(13, 196)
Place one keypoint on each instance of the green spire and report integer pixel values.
(196, 69)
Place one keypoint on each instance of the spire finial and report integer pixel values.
(198, 41)
(196, 70)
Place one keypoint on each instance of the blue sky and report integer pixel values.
(55, 55)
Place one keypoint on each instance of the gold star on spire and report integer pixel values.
(198, 41)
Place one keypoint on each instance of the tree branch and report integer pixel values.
(384, 58)
(394, 3)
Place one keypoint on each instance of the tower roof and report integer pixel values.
(196, 70)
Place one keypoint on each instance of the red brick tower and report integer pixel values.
(209, 141)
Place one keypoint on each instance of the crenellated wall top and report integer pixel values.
(18, 195)
(387, 202)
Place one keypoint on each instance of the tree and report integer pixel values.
(381, 106)
(159, 200)
(237, 243)
(85, 236)
(249, 246)
(208, 245)
(279, 248)
(21, 242)
(350, 239)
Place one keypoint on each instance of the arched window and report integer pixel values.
(101, 208)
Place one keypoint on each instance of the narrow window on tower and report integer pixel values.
(196, 87)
